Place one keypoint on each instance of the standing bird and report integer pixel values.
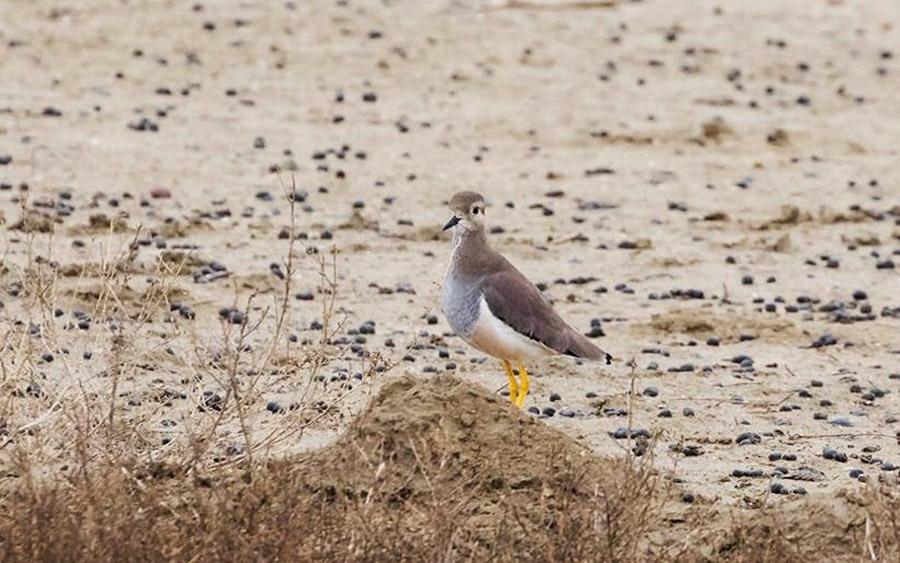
(494, 308)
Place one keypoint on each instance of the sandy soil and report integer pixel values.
(630, 153)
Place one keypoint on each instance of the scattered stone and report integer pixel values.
(778, 488)
(748, 438)
(623, 433)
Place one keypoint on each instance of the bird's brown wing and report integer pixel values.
(518, 303)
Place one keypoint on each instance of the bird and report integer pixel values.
(494, 308)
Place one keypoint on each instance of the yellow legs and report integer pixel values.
(517, 392)
(513, 384)
(523, 389)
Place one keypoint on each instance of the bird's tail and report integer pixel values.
(579, 346)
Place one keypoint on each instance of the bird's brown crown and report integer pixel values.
(461, 202)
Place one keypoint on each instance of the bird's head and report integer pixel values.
(468, 212)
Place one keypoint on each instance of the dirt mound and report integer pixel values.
(726, 327)
(415, 426)
(848, 527)
(442, 450)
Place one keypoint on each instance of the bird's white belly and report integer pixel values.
(493, 336)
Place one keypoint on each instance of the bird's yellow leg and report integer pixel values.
(523, 389)
(513, 384)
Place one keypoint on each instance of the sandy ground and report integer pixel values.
(630, 153)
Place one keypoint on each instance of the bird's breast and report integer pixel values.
(460, 301)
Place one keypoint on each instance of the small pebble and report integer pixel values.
(778, 488)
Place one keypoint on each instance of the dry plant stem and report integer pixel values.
(234, 385)
(238, 393)
(632, 385)
(328, 277)
(288, 262)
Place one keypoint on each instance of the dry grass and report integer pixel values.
(469, 480)
(432, 470)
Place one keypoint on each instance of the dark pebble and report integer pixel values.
(143, 124)
(746, 438)
(595, 332)
(824, 340)
(622, 433)
(841, 421)
(211, 401)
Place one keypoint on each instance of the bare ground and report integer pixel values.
(714, 186)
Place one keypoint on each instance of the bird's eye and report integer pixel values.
(476, 210)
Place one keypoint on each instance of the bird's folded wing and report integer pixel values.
(518, 303)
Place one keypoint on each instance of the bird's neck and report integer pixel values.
(468, 247)
(469, 238)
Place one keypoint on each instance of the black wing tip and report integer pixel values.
(608, 359)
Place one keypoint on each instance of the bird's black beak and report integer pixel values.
(453, 221)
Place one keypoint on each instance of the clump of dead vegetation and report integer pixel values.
(83, 347)
(432, 470)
